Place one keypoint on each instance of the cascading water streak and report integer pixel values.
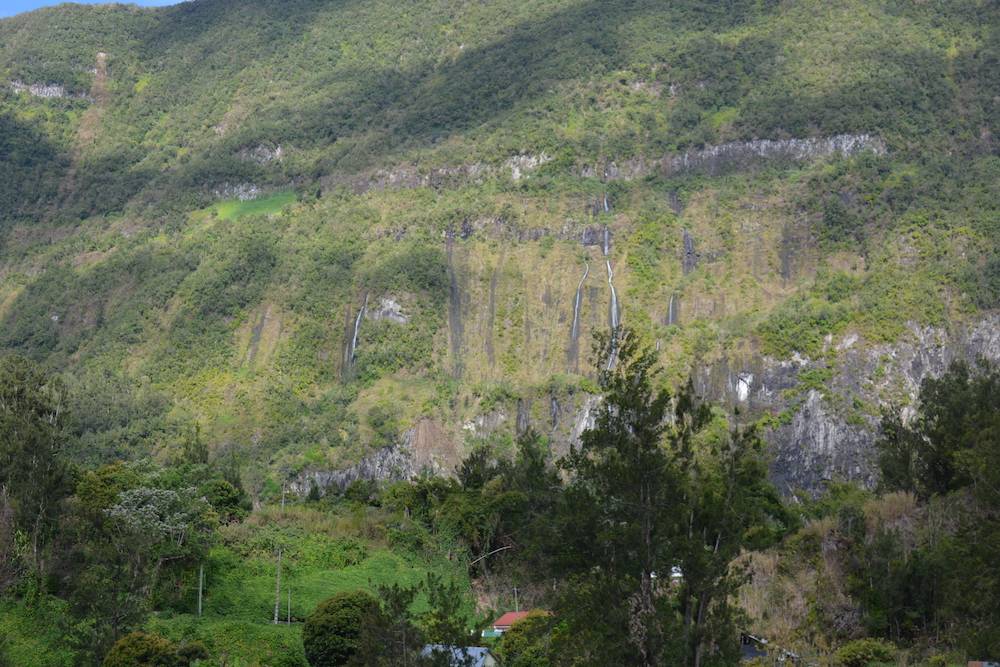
(577, 302)
(613, 315)
(357, 330)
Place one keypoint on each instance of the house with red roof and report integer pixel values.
(502, 624)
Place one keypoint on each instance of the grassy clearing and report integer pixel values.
(33, 636)
(322, 554)
(233, 209)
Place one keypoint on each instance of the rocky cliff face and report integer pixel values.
(736, 155)
(820, 432)
(712, 160)
(825, 430)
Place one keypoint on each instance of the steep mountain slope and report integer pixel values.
(318, 229)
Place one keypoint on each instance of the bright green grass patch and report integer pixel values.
(237, 624)
(240, 589)
(232, 209)
(237, 643)
(32, 637)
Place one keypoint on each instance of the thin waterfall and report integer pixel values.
(614, 313)
(672, 310)
(574, 335)
(357, 329)
(607, 206)
(613, 317)
(575, 332)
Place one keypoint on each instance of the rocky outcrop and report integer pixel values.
(44, 90)
(388, 309)
(406, 177)
(736, 156)
(262, 153)
(689, 258)
(521, 165)
(711, 159)
(425, 449)
(387, 464)
(826, 413)
(240, 191)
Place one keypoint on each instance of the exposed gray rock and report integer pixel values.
(44, 90)
(689, 259)
(736, 155)
(388, 309)
(521, 165)
(241, 191)
(592, 235)
(743, 154)
(421, 450)
(263, 153)
(405, 177)
(829, 433)
(711, 159)
(387, 464)
(819, 446)
(486, 424)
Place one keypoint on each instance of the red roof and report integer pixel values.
(509, 619)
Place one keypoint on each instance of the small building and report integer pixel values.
(502, 624)
(470, 656)
(752, 647)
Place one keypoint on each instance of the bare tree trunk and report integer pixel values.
(277, 589)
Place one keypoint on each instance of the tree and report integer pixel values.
(623, 487)
(230, 503)
(333, 632)
(444, 622)
(952, 447)
(729, 505)
(393, 639)
(653, 490)
(528, 642)
(954, 414)
(33, 476)
(117, 538)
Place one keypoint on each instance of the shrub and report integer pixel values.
(526, 644)
(862, 652)
(191, 652)
(332, 633)
(140, 649)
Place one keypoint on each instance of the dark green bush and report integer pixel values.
(863, 652)
(332, 633)
(140, 649)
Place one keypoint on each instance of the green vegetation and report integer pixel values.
(863, 652)
(190, 229)
(912, 564)
(333, 631)
(236, 208)
(140, 649)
